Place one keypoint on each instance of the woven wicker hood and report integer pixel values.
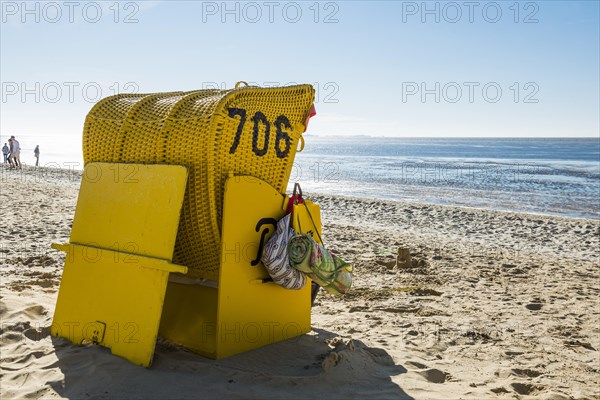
(248, 131)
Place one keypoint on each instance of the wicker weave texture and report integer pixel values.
(248, 131)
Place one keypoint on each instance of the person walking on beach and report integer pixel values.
(11, 165)
(15, 153)
(36, 153)
(5, 151)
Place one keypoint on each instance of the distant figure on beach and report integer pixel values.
(15, 153)
(5, 151)
(36, 153)
(11, 165)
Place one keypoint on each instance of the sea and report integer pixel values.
(551, 176)
(541, 176)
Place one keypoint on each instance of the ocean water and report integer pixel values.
(544, 176)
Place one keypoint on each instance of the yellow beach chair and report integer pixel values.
(216, 164)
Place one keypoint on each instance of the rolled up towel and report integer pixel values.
(300, 248)
(308, 256)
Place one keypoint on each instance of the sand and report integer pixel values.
(495, 305)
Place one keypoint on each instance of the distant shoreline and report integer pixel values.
(72, 177)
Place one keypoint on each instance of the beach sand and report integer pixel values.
(496, 305)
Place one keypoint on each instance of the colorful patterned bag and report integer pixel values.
(275, 257)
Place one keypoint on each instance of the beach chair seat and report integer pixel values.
(244, 309)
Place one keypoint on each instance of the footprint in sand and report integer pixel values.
(34, 311)
(526, 388)
(434, 375)
(520, 372)
(534, 306)
(38, 333)
(526, 373)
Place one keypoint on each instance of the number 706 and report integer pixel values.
(260, 119)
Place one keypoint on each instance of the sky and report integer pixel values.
(403, 69)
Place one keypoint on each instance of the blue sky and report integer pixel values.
(531, 71)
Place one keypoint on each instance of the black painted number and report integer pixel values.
(260, 118)
(281, 135)
(238, 134)
(261, 123)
